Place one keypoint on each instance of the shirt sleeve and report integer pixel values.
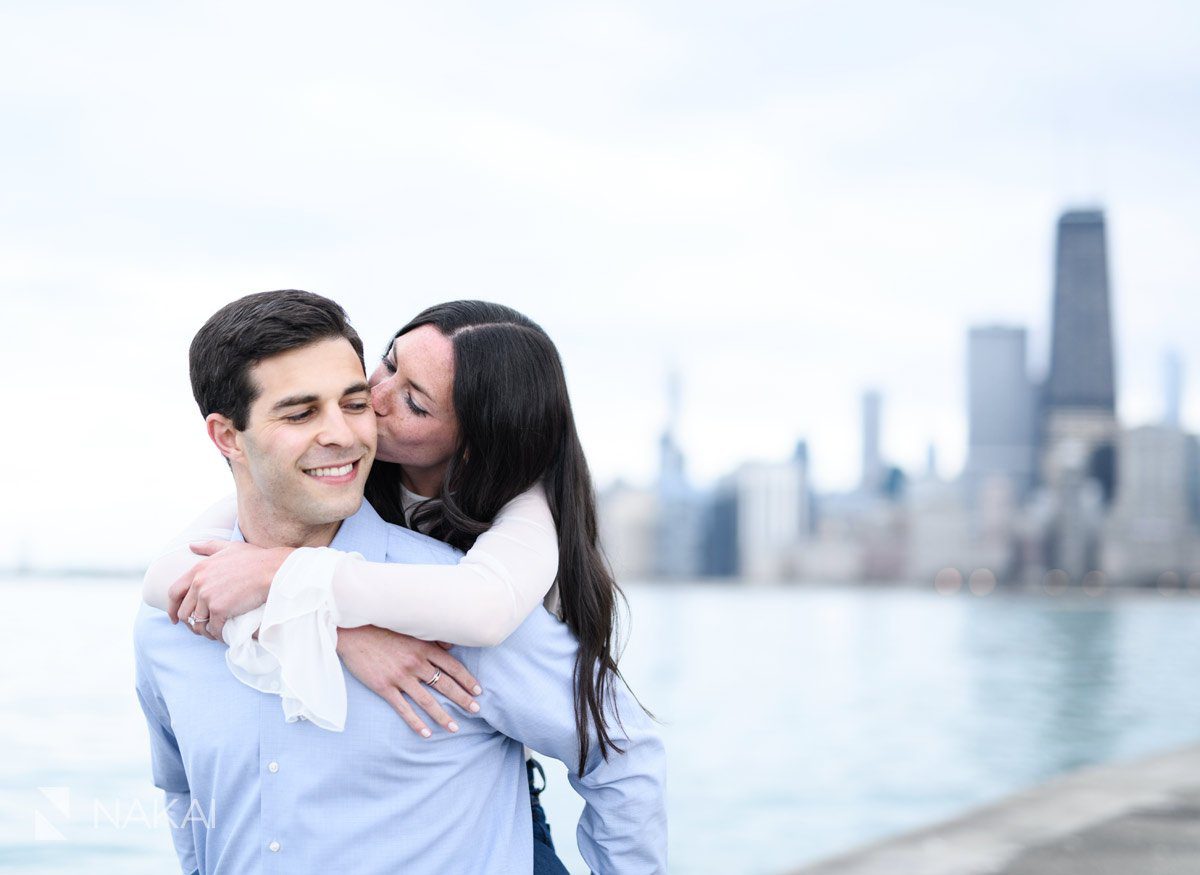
(166, 764)
(505, 575)
(529, 696)
(216, 523)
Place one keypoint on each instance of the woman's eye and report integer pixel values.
(391, 368)
(414, 408)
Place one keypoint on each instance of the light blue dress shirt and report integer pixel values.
(251, 793)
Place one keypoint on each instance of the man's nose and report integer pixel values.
(335, 430)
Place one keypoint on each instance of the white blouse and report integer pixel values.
(478, 602)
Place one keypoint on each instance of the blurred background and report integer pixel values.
(878, 319)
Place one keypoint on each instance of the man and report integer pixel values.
(280, 379)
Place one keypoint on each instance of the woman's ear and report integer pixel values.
(224, 436)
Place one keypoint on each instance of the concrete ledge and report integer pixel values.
(986, 841)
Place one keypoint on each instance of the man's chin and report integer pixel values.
(327, 509)
(347, 508)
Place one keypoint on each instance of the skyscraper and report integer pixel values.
(1000, 410)
(677, 547)
(1173, 390)
(671, 475)
(872, 461)
(1150, 527)
(1081, 352)
(1193, 477)
(1079, 397)
(770, 518)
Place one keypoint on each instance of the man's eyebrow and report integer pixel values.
(298, 400)
(294, 401)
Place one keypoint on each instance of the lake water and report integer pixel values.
(799, 722)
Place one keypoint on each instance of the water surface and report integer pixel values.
(799, 722)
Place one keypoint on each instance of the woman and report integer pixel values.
(478, 448)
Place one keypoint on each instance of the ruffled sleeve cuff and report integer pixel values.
(295, 653)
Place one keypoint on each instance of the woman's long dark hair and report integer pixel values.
(515, 428)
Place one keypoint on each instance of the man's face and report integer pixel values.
(310, 438)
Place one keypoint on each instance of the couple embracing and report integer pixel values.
(358, 681)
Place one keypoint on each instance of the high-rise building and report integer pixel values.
(1173, 390)
(679, 518)
(671, 473)
(1193, 477)
(770, 518)
(1078, 404)
(873, 472)
(937, 528)
(1150, 529)
(719, 546)
(1000, 412)
(1081, 352)
(628, 517)
(808, 496)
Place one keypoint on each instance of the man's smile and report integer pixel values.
(342, 472)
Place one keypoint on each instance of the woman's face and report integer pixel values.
(412, 392)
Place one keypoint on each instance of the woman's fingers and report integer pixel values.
(214, 627)
(407, 714)
(452, 688)
(187, 605)
(193, 606)
(430, 705)
(451, 666)
(399, 667)
(176, 593)
(201, 612)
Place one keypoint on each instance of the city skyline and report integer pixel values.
(781, 204)
(1085, 376)
(1055, 487)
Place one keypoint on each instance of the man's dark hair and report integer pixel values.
(243, 333)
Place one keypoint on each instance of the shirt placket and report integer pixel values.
(274, 835)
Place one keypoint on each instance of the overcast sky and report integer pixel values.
(789, 202)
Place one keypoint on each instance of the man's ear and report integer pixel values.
(223, 435)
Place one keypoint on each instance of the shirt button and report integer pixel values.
(274, 846)
(272, 767)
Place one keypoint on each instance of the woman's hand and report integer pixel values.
(234, 579)
(389, 664)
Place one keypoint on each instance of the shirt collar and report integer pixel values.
(363, 532)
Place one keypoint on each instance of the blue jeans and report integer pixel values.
(545, 861)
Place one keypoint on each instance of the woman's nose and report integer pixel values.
(381, 398)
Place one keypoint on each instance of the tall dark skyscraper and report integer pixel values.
(1078, 434)
(1078, 403)
(1081, 352)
